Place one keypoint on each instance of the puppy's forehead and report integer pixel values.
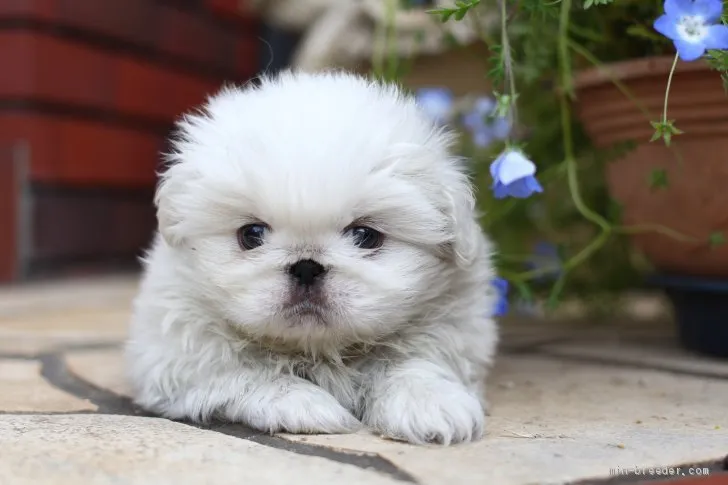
(320, 147)
(336, 121)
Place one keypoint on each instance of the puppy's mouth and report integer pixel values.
(307, 302)
(307, 308)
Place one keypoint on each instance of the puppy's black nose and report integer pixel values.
(306, 271)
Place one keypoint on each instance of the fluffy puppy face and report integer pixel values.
(316, 208)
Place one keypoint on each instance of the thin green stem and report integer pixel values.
(669, 84)
(563, 53)
(665, 231)
(379, 48)
(568, 137)
(391, 40)
(510, 81)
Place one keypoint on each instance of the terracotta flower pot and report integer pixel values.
(695, 201)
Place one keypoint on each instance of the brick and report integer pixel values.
(141, 89)
(17, 56)
(36, 9)
(127, 20)
(75, 222)
(41, 135)
(42, 67)
(149, 90)
(48, 69)
(78, 152)
(8, 211)
(186, 35)
(91, 154)
(237, 9)
(189, 93)
(197, 38)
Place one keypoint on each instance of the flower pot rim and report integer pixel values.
(634, 68)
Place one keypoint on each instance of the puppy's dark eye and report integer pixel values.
(366, 237)
(251, 236)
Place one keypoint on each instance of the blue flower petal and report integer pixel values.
(474, 121)
(476, 118)
(678, 8)
(436, 102)
(514, 166)
(534, 184)
(496, 165)
(501, 286)
(501, 128)
(524, 188)
(717, 37)
(689, 51)
(482, 138)
(484, 105)
(501, 307)
(545, 257)
(667, 26)
(500, 191)
(710, 10)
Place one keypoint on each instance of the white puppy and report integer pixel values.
(319, 267)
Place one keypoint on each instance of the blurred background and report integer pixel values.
(89, 91)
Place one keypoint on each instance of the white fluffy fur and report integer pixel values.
(404, 348)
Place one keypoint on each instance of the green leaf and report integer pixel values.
(665, 130)
(496, 73)
(643, 32)
(716, 239)
(504, 104)
(590, 3)
(457, 12)
(658, 179)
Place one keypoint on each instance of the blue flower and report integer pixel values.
(693, 26)
(514, 175)
(436, 102)
(546, 257)
(484, 127)
(501, 287)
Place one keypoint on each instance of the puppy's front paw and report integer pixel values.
(293, 406)
(439, 412)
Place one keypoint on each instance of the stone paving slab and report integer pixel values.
(665, 357)
(114, 450)
(41, 317)
(569, 401)
(81, 293)
(564, 421)
(22, 389)
(102, 368)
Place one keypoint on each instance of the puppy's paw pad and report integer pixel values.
(445, 414)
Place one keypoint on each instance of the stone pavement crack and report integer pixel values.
(368, 461)
(597, 359)
(55, 371)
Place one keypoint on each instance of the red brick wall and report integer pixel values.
(92, 88)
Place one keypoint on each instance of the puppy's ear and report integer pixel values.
(464, 228)
(170, 201)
